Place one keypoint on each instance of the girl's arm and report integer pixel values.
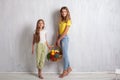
(47, 45)
(32, 48)
(62, 36)
(33, 45)
(68, 24)
(47, 42)
(64, 33)
(55, 44)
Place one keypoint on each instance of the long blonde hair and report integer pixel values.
(67, 16)
(36, 37)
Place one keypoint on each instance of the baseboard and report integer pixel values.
(80, 75)
(106, 72)
(117, 71)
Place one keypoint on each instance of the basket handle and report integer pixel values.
(54, 47)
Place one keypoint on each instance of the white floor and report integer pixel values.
(53, 76)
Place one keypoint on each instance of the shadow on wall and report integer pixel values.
(27, 60)
(58, 66)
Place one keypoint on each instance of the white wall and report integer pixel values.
(94, 34)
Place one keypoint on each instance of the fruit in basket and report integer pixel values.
(53, 52)
(56, 51)
(51, 57)
(55, 59)
(48, 56)
(56, 55)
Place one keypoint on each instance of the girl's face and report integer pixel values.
(40, 24)
(64, 12)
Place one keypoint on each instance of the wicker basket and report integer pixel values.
(54, 55)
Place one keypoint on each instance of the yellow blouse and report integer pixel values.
(62, 26)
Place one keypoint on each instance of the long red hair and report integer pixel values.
(67, 16)
(36, 37)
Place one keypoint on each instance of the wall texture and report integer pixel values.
(94, 35)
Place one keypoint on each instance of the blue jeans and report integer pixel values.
(64, 45)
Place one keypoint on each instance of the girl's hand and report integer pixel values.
(55, 44)
(32, 50)
(58, 42)
(50, 47)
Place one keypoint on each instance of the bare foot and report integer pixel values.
(40, 74)
(69, 70)
(41, 77)
(65, 73)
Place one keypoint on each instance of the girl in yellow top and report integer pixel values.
(39, 38)
(62, 38)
